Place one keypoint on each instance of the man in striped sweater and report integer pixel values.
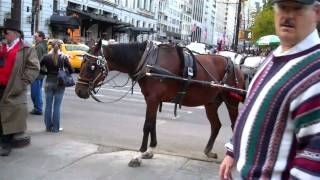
(277, 134)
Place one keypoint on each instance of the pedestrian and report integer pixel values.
(277, 134)
(53, 91)
(36, 85)
(19, 66)
(219, 46)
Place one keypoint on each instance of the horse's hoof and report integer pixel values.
(147, 155)
(212, 155)
(134, 163)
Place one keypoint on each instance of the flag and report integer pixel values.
(194, 27)
(205, 33)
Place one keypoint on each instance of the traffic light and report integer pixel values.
(241, 34)
(248, 35)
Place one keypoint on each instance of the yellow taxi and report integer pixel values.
(75, 53)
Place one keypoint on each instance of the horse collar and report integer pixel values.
(143, 61)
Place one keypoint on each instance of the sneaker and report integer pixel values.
(56, 131)
(34, 112)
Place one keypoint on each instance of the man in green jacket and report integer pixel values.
(36, 86)
(18, 68)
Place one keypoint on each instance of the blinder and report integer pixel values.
(99, 63)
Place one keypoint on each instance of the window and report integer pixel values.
(77, 48)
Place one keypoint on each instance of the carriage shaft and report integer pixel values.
(207, 83)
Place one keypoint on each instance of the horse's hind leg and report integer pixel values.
(149, 127)
(212, 114)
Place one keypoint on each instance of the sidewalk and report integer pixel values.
(57, 156)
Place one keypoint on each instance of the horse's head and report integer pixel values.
(93, 72)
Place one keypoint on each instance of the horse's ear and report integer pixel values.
(98, 46)
(100, 43)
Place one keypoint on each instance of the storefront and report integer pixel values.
(62, 27)
(134, 32)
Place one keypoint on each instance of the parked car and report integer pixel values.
(230, 54)
(50, 41)
(75, 53)
(199, 48)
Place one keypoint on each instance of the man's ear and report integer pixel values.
(317, 10)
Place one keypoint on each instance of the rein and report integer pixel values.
(104, 70)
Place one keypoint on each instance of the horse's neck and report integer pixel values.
(125, 66)
(125, 58)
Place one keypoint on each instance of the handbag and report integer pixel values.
(64, 77)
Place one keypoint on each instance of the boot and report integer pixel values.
(5, 145)
(5, 149)
(20, 139)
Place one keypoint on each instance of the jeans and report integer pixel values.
(54, 95)
(36, 95)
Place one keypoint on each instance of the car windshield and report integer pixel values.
(77, 48)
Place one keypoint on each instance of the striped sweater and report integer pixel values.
(277, 134)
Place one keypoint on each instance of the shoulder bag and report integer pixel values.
(64, 77)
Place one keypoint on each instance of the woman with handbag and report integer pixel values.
(54, 62)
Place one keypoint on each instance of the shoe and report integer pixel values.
(5, 150)
(56, 131)
(34, 112)
(20, 139)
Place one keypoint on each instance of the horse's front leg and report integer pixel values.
(148, 128)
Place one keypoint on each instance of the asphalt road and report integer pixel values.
(120, 124)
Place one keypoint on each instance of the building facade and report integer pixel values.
(123, 20)
(186, 20)
(197, 19)
(225, 22)
(169, 20)
(208, 23)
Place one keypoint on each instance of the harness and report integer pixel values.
(148, 65)
(94, 83)
(189, 67)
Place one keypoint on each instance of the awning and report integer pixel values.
(173, 34)
(68, 21)
(97, 17)
(135, 30)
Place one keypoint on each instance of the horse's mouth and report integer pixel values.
(82, 91)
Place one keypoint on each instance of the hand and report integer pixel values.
(225, 168)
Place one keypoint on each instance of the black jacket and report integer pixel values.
(52, 69)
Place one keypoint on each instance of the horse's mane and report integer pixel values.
(125, 54)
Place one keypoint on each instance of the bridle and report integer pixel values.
(95, 83)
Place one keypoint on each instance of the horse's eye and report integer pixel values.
(92, 68)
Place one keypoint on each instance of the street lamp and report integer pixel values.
(238, 26)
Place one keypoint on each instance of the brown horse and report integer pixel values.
(127, 58)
